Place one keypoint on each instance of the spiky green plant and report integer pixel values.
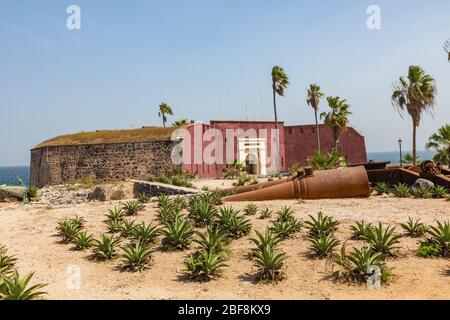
(106, 247)
(163, 200)
(429, 248)
(422, 192)
(213, 240)
(115, 214)
(83, 240)
(203, 213)
(168, 212)
(270, 263)
(177, 234)
(357, 265)
(382, 188)
(383, 240)
(114, 226)
(439, 192)
(127, 227)
(414, 228)
(360, 229)
(324, 245)
(136, 256)
(143, 198)
(180, 202)
(285, 229)
(441, 234)
(205, 264)
(67, 229)
(321, 225)
(145, 233)
(234, 225)
(265, 213)
(401, 190)
(132, 208)
(7, 262)
(17, 288)
(269, 238)
(285, 214)
(78, 222)
(251, 209)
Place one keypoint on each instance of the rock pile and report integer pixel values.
(64, 194)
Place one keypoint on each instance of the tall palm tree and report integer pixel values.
(440, 141)
(337, 119)
(280, 81)
(164, 110)
(415, 94)
(313, 99)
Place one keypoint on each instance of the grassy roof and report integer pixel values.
(110, 136)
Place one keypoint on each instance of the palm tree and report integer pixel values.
(337, 119)
(314, 96)
(280, 81)
(415, 94)
(440, 141)
(164, 110)
(180, 123)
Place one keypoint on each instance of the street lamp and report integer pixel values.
(447, 48)
(400, 141)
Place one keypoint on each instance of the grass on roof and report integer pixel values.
(110, 136)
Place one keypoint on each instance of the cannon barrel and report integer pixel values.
(338, 183)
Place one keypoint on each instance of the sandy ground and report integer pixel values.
(28, 232)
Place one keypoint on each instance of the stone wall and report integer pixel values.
(103, 162)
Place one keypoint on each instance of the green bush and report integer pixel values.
(136, 256)
(429, 248)
(205, 265)
(234, 225)
(324, 245)
(270, 264)
(321, 225)
(382, 188)
(414, 228)
(17, 288)
(439, 192)
(401, 190)
(250, 209)
(360, 230)
(177, 234)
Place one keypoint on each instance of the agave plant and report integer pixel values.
(163, 200)
(179, 202)
(382, 188)
(17, 288)
(178, 234)
(168, 212)
(143, 198)
(115, 214)
(212, 241)
(360, 230)
(145, 233)
(439, 192)
(321, 225)
(114, 226)
(269, 238)
(285, 229)
(136, 256)
(106, 247)
(251, 209)
(204, 213)
(270, 263)
(358, 265)
(7, 262)
(234, 225)
(285, 214)
(265, 213)
(67, 229)
(78, 222)
(441, 234)
(414, 228)
(132, 208)
(127, 228)
(324, 245)
(83, 240)
(401, 190)
(205, 264)
(422, 192)
(383, 240)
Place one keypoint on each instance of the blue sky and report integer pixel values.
(210, 59)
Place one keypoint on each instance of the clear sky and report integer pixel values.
(209, 59)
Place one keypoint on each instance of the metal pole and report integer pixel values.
(401, 156)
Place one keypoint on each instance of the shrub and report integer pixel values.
(422, 192)
(439, 192)
(265, 213)
(429, 248)
(136, 256)
(382, 187)
(163, 200)
(441, 234)
(270, 264)
(321, 225)
(285, 229)
(143, 198)
(127, 228)
(285, 214)
(179, 202)
(114, 226)
(332, 160)
(177, 234)
(269, 238)
(401, 190)
(145, 233)
(205, 264)
(324, 245)
(106, 247)
(414, 228)
(32, 192)
(360, 230)
(234, 225)
(67, 229)
(382, 240)
(115, 214)
(132, 208)
(83, 240)
(168, 212)
(212, 241)
(163, 180)
(242, 180)
(78, 222)
(203, 213)
(250, 209)
(17, 288)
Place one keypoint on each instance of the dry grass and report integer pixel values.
(110, 136)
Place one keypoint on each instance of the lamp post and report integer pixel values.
(400, 141)
(447, 48)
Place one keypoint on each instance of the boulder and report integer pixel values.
(12, 192)
(423, 183)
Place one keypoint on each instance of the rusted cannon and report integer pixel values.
(339, 183)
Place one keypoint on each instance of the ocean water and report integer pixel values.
(394, 156)
(6, 176)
